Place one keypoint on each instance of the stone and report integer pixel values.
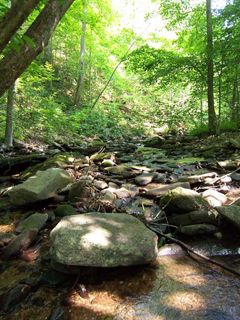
(5, 238)
(154, 142)
(63, 210)
(80, 190)
(19, 243)
(44, 185)
(182, 200)
(99, 184)
(102, 240)
(108, 163)
(198, 178)
(124, 171)
(214, 198)
(194, 217)
(144, 179)
(107, 195)
(122, 193)
(164, 188)
(34, 221)
(198, 229)
(235, 177)
(231, 213)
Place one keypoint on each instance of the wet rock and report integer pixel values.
(80, 190)
(198, 229)
(231, 213)
(14, 296)
(99, 184)
(144, 179)
(35, 221)
(172, 249)
(64, 210)
(164, 188)
(19, 243)
(194, 217)
(102, 240)
(39, 187)
(182, 200)
(214, 198)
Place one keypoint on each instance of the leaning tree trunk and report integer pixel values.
(14, 18)
(80, 83)
(38, 35)
(212, 119)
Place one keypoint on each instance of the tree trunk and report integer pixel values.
(235, 111)
(212, 119)
(39, 33)
(14, 18)
(9, 117)
(80, 83)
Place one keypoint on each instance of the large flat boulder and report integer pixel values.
(43, 185)
(102, 240)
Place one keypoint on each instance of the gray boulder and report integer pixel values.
(44, 185)
(102, 240)
(231, 213)
(34, 221)
(181, 200)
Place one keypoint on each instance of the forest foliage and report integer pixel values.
(160, 83)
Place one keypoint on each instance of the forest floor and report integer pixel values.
(130, 177)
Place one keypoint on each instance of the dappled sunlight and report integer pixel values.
(6, 228)
(182, 271)
(185, 301)
(96, 236)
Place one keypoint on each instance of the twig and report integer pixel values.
(226, 175)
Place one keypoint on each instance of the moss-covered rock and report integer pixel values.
(64, 210)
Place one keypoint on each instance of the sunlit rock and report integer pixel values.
(43, 185)
(102, 240)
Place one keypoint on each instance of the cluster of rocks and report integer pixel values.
(159, 191)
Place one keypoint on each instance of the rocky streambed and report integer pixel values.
(81, 233)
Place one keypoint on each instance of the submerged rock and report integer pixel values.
(34, 221)
(231, 213)
(181, 200)
(43, 185)
(102, 240)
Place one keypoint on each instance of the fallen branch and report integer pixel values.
(200, 255)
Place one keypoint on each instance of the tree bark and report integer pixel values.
(9, 117)
(80, 83)
(14, 18)
(212, 119)
(39, 33)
